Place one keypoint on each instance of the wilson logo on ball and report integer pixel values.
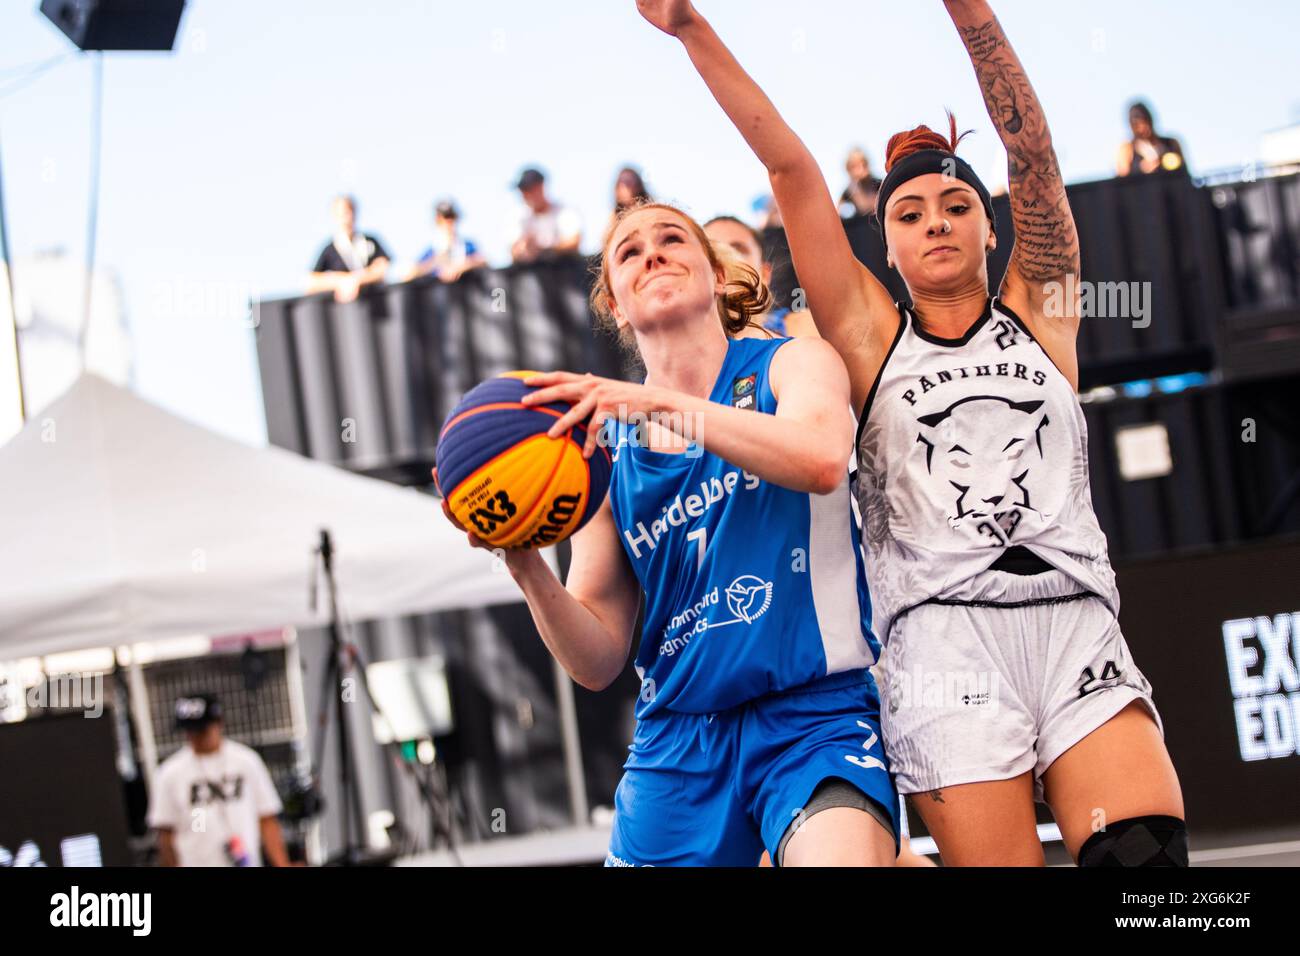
(508, 481)
(563, 508)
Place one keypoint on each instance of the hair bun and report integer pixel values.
(902, 145)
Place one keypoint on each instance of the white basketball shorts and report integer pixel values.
(1001, 675)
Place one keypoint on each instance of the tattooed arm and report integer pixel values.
(852, 309)
(1047, 245)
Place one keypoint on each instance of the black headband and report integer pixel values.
(930, 161)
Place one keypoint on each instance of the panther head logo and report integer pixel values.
(984, 447)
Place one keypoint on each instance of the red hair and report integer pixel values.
(902, 145)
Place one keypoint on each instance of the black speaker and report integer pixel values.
(116, 24)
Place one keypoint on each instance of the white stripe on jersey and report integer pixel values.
(834, 570)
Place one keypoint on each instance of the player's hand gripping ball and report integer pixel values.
(509, 482)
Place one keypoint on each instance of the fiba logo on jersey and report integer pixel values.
(748, 597)
(742, 391)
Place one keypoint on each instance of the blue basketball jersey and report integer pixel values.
(750, 587)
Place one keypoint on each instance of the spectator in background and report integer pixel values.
(213, 802)
(351, 260)
(544, 228)
(747, 244)
(1147, 152)
(629, 189)
(449, 256)
(859, 196)
(767, 214)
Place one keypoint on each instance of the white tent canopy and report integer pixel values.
(121, 523)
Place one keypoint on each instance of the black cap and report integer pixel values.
(529, 178)
(196, 711)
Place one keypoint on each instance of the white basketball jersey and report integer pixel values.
(967, 447)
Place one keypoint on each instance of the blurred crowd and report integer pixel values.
(545, 227)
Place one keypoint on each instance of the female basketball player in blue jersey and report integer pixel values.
(757, 720)
(1005, 675)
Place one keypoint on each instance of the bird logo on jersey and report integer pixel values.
(748, 597)
(983, 447)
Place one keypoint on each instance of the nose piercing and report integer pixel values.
(947, 227)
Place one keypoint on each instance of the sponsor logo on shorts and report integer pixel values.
(918, 688)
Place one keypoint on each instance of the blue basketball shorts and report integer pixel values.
(718, 789)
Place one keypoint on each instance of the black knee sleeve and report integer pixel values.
(1138, 841)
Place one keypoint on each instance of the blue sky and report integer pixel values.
(219, 160)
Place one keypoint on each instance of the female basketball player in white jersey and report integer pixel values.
(1005, 676)
(729, 507)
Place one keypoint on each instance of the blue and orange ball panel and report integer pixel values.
(505, 479)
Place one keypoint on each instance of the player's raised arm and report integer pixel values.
(1047, 245)
(853, 311)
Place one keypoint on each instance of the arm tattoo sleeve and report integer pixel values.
(1047, 245)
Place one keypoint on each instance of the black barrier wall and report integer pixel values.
(1259, 241)
(1206, 278)
(1180, 278)
(1215, 635)
(366, 385)
(1231, 471)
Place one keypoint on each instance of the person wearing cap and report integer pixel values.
(449, 256)
(351, 260)
(544, 227)
(213, 802)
